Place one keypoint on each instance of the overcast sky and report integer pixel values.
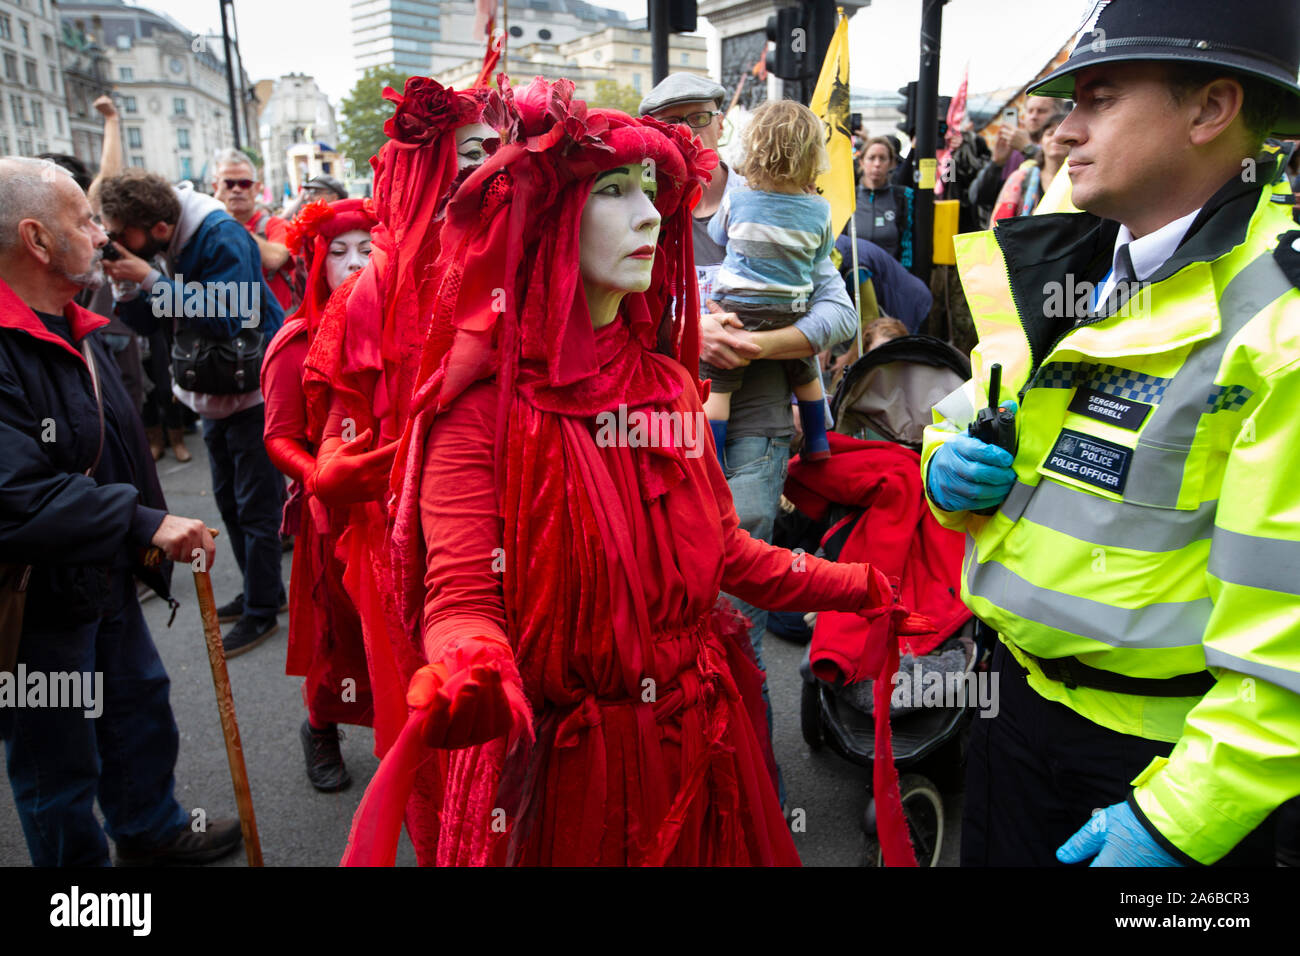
(1004, 41)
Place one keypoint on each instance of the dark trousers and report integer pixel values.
(60, 761)
(160, 408)
(249, 493)
(1037, 770)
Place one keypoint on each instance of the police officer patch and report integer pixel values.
(1089, 460)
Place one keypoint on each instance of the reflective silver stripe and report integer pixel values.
(1156, 475)
(1111, 524)
(1174, 624)
(1255, 562)
(1290, 680)
(956, 407)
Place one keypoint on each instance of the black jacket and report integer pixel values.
(74, 531)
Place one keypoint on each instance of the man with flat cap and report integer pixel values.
(1137, 547)
(757, 444)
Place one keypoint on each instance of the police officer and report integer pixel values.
(1137, 547)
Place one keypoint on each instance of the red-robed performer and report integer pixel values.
(560, 571)
(360, 371)
(325, 645)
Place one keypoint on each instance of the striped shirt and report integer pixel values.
(773, 242)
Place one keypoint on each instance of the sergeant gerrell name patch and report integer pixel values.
(1123, 412)
(1089, 460)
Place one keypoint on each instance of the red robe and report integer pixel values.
(645, 753)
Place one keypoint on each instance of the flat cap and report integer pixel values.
(682, 88)
(327, 182)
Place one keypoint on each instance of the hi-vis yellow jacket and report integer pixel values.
(1154, 527)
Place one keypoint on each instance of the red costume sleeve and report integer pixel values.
(286, 411)
(462, 530)
(775, 578)
(276, 229)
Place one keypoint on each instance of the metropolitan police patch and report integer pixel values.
(1089, 460)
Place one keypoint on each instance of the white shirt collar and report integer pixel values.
(1147, 254)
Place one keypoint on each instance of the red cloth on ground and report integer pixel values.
(325, 645)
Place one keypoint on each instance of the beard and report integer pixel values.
(91, 279)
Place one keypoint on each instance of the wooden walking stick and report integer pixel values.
(226, 708)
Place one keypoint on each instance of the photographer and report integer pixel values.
(219, 301)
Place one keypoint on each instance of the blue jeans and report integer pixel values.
(755, 470)
(60, 760)
(249, 493)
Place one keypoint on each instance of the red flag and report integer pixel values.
(956, 117)
(484, 14)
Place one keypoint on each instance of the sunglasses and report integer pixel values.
(694, 120)
(241, 183)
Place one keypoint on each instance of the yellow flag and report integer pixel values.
(830, 101)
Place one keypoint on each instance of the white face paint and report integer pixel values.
(616, 242)
(347, 253)
(469, 144)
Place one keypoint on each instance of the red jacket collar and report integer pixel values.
(17, 314)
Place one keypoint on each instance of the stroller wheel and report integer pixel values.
(810, 721)
(923, 810)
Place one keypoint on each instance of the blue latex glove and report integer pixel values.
(967, 474)
(1114, 837)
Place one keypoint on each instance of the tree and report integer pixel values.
(610, 95)
(365, 111)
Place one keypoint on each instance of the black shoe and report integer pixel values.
(221, 838)
(231, 611)
(235, 609)
(247, 633)
(325, 767)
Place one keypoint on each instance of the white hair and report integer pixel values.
(234, 157)
(27, 192)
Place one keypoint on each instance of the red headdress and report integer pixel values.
(375, 325)
(510, 299)
(310, 234)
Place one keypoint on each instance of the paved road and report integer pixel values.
(300, 827)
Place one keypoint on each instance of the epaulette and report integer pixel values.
(1287, 255)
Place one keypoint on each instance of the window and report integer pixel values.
(125, 73)
(686, 59)
(27, 34)
(187, 169)
(58, 121)
(636, 53)
(543, 34)
(133, 138)
(4, 145)
(32, 80)
(54, 79)
(178, 106)
(183, 141)
(6, 27)
(49, 44)
(38, 115)
(516, 31)
(636, 82)
(137, 161)
(19, 106)
(11, 67)
(128, 104)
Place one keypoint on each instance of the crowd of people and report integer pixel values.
(564, 625)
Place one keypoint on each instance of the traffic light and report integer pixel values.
(788, 33)
(908, 109)
(681, 16)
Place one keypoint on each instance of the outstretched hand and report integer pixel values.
(473, 695)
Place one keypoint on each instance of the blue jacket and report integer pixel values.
(221, 251)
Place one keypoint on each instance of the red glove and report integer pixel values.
(882, 598)
(346, 473)
(291, 458)
(473, 694)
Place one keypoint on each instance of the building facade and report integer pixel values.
(294, 114)
(33, 111)
(170, 87)
(617, 54)
(86, 70)
(398, 33)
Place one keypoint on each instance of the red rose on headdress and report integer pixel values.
(549, 115)
(425, 110)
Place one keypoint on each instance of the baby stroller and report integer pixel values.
(886, 397)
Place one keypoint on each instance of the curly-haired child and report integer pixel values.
(775, 228)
